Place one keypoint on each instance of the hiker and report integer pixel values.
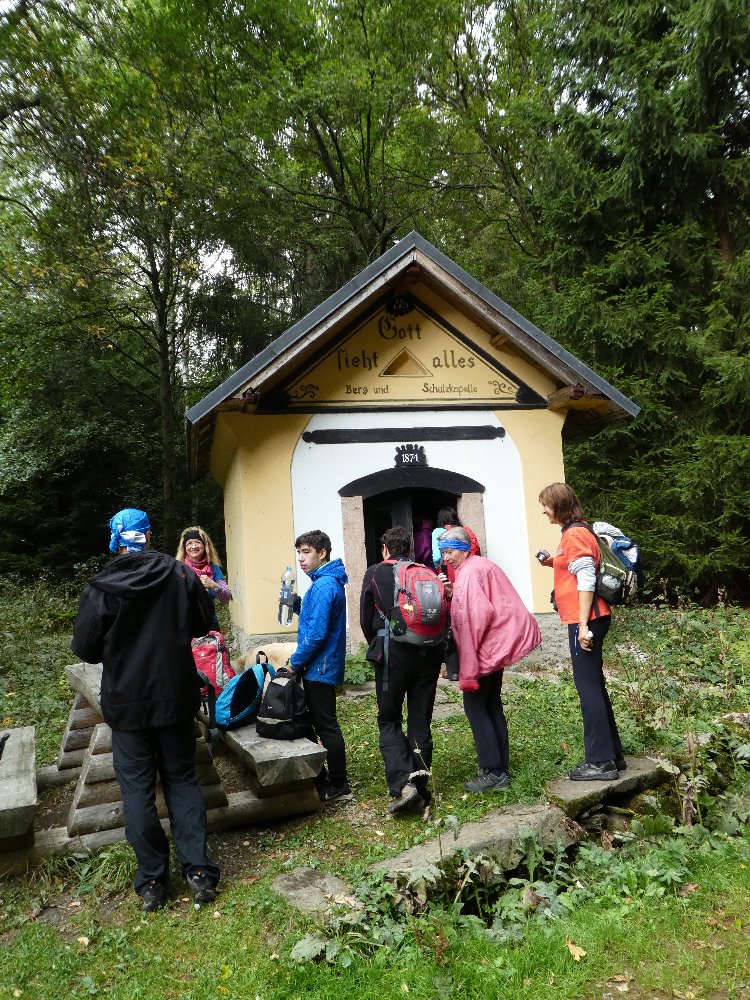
(137, 617)
(412, 673)
(321, 652)
(448, 518)
(492, 629)
(198, 552)
(423, 541)
(588, 619)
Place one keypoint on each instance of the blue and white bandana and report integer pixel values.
(128, 530)
(454, 543)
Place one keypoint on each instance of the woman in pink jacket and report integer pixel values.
(493, 630)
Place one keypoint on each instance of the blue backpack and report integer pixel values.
(238, 703)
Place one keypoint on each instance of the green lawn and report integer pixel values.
(666, 914)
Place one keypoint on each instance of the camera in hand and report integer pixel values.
(542, 556)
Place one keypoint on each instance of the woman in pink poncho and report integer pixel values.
(493, 630)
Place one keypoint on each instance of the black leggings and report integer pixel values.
(484, 710)
(600, 737)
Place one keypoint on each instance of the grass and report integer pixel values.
(74, 926)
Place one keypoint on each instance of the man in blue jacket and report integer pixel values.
(321, 651)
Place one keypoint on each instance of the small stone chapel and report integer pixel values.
(412, 388)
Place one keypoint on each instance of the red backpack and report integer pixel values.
(212, 659)
(419, 615)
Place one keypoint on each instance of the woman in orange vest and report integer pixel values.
(588, 619)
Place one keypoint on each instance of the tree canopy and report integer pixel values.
(179, 183)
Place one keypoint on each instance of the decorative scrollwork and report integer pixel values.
(502, 388)
(306, 390)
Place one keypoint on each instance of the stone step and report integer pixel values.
(576, 797)
(497, 835)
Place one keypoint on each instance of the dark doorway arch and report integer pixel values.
(404, 496)
(411, 477)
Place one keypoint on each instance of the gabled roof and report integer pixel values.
(592, 399)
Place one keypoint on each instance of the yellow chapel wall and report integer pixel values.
(252, 462)
(538, 436)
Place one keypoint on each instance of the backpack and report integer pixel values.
(238, 703)
(212, 660)
(419, 613)
(616, 578)
(283, 714)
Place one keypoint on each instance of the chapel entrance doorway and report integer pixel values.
(406, 506)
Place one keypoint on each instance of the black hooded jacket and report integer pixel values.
(137, 618)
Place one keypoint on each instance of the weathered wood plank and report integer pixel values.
(276, 765)
(70, 758)
(51, 776)
(109, 815)
(243, 809)
(102, 743)
(83, 718)
(86, 679)
(96, 794)
(76, 739)
(18, 783)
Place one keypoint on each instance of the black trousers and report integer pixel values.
(600, 736)
(138, 756)
(484, 710)
(412, 676)
(321, 700)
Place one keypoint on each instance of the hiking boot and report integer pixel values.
(621, 764)
(333, 793)
(603, 770)
(486, 781)
(409, 801)
(154, 896)
(202, 887)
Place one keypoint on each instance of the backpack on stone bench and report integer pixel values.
(238, 703)
(283, 714)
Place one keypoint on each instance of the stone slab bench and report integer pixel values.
(17, 787)
(275, 766)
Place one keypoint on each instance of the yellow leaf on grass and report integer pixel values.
(575, 950)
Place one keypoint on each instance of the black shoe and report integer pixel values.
(154, 896)
(486, 781)
(621, 764)
(409, 801)
(603, 770)
(202, 887)
(333, 793)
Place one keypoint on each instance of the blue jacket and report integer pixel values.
(321, 636)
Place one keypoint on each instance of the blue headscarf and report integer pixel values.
(454, 543)
(128, 530)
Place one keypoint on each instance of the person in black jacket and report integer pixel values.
(137, 617)
(413, 673)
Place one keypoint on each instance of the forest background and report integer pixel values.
(179, 182)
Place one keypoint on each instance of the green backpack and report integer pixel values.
(616, 583)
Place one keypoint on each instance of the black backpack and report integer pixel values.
(283, 713)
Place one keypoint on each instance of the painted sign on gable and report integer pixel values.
(414, 358)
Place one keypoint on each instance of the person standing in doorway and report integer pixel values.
(137, 617)
(321, 653)
(412, 673)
